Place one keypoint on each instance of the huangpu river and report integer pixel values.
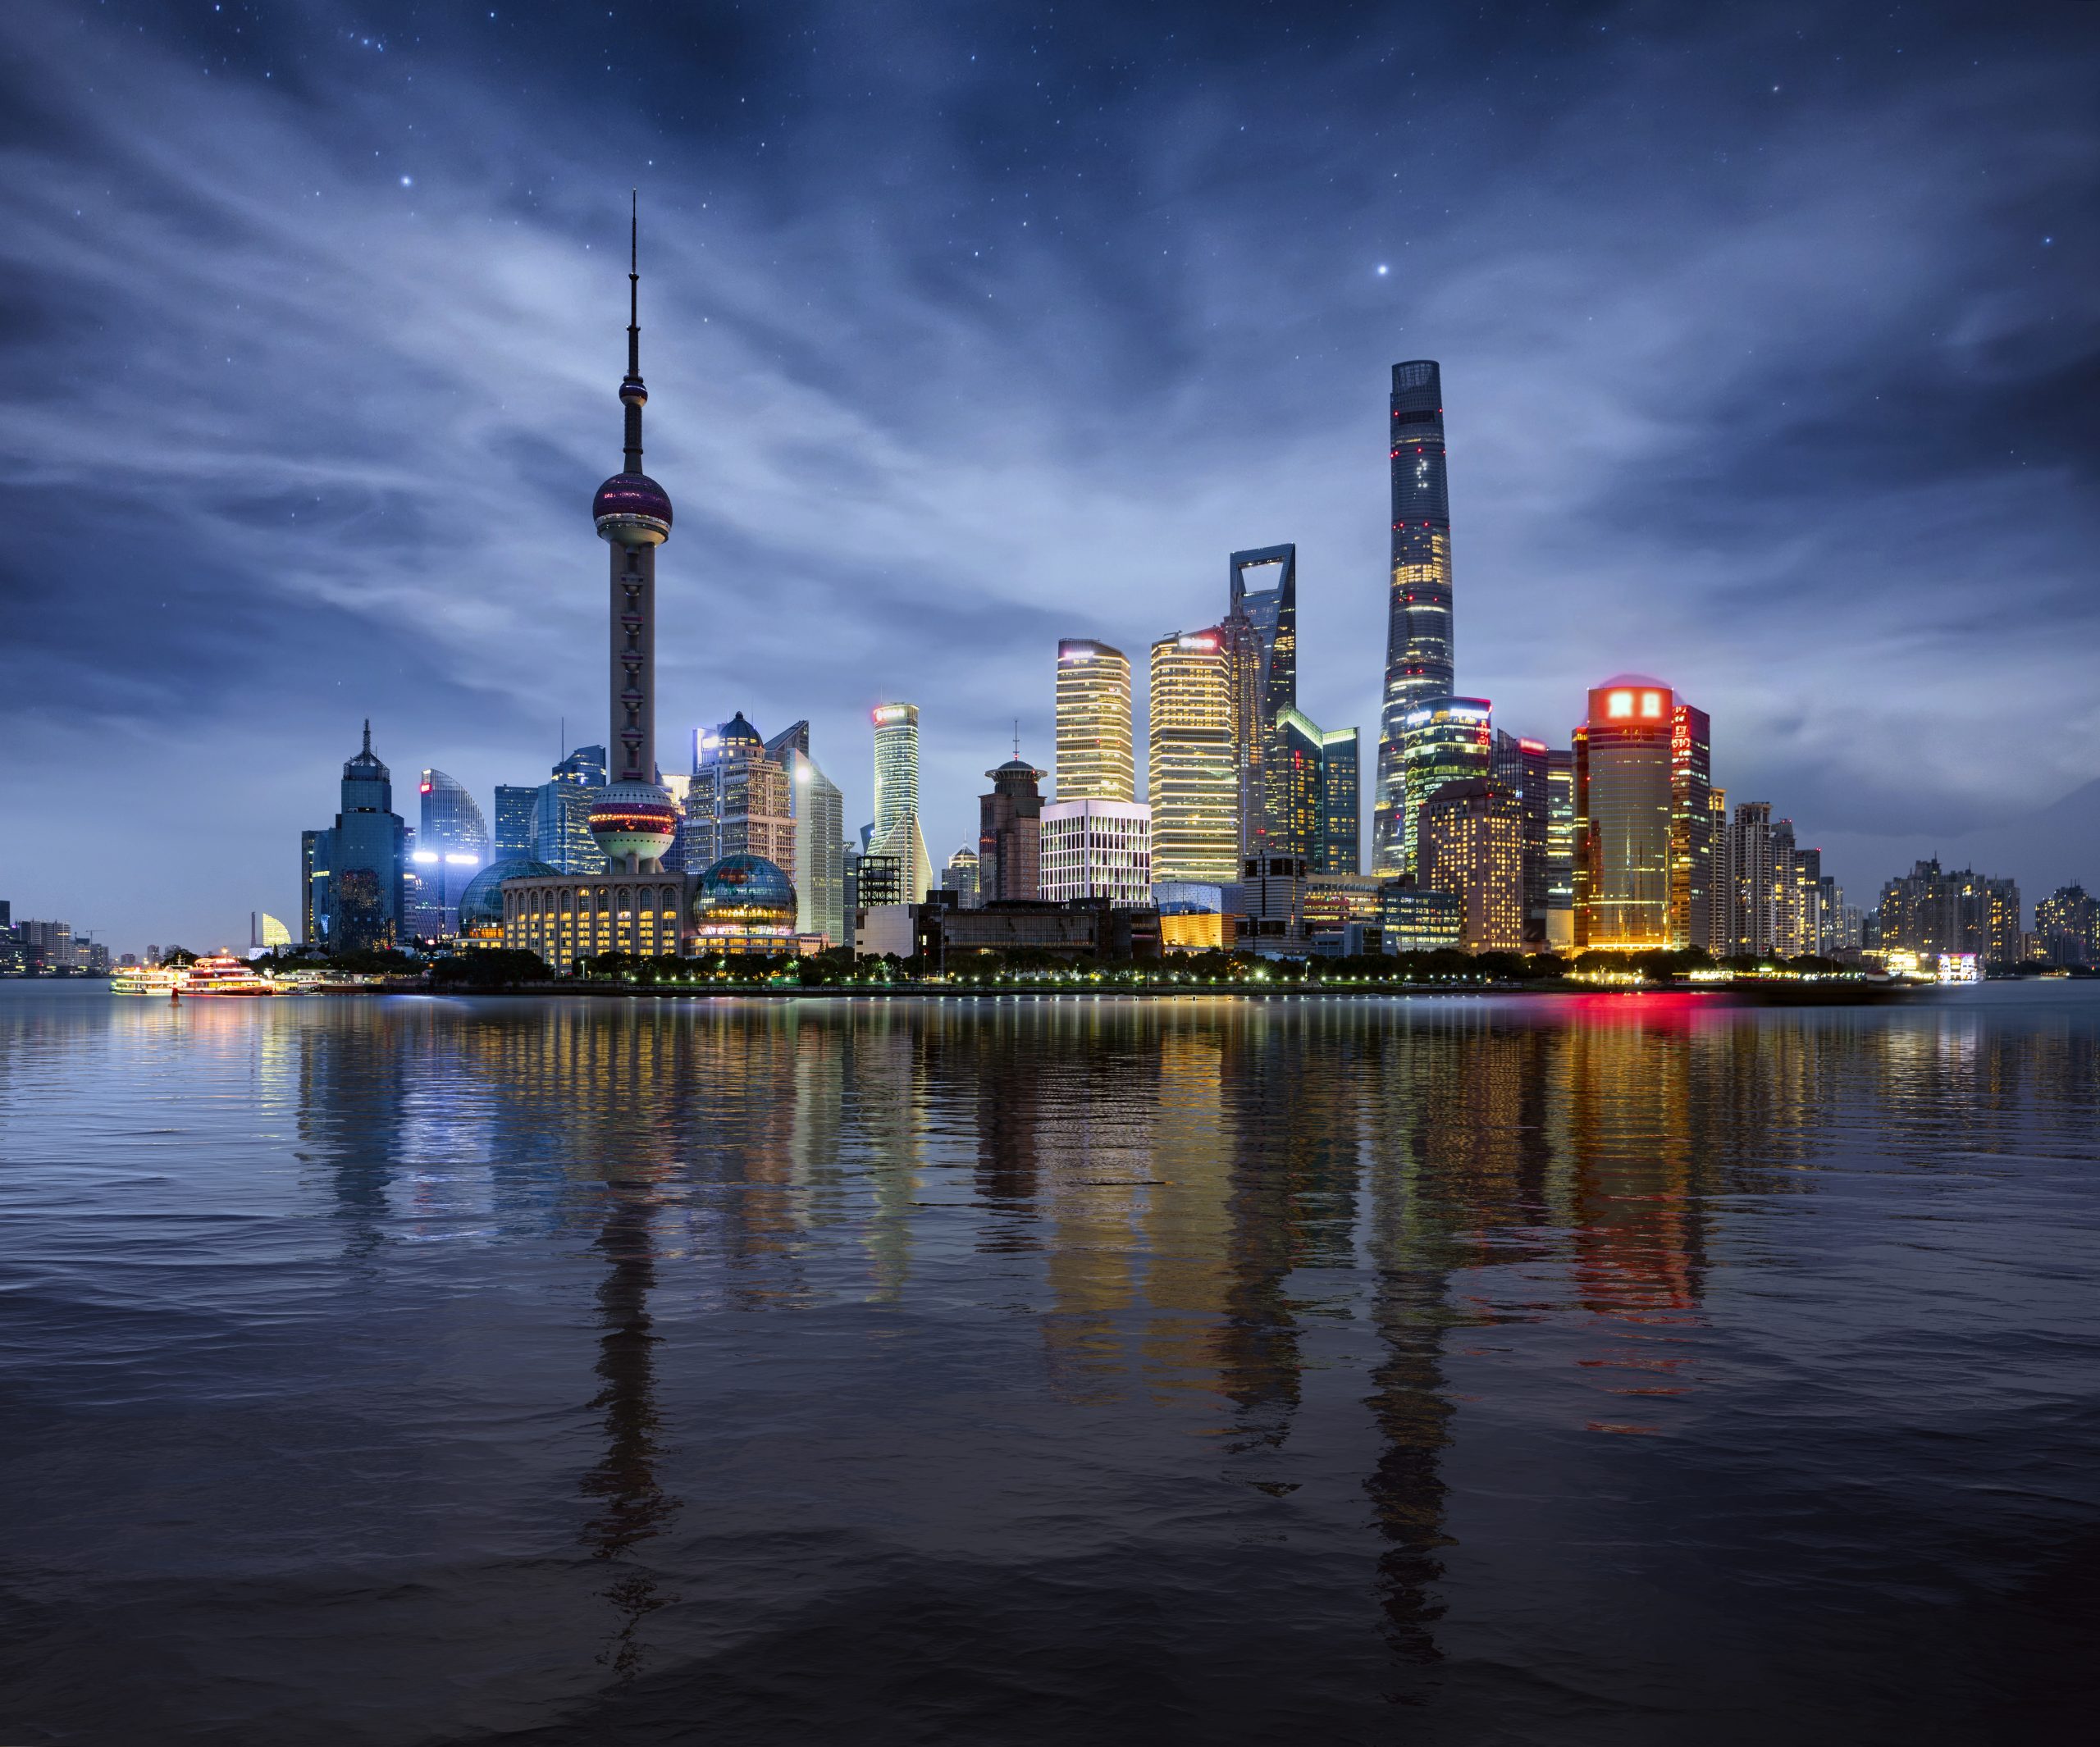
(1612, 1369)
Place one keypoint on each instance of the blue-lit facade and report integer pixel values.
(356, 872)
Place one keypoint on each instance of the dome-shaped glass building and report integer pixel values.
(480, 905)
(744, 904)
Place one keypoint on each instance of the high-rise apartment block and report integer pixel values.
(1193, 759)
(1097, 849)
(1419, 641)
(1932, 911)
(1095, 757)
(738, 800)
(1470, 842)
(2068, 921)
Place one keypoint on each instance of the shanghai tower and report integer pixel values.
(1418, 623)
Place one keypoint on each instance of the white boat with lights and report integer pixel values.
(221, 974)
(162, 980)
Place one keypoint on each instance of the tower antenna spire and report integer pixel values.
(634, 396)
(367, 737)
(634, 283)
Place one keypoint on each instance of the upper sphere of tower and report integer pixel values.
(633, 510)
(633, 392)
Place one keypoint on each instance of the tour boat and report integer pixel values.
(146, 979)
(221, 974)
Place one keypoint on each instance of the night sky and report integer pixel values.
(1770, 339)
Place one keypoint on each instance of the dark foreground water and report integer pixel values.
(1620, 1369)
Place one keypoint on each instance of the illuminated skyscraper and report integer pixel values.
(1691, 830)
(737, 802)
(896, 833)
(1261, 644)
(1752, 895)
(960, 877)
(1470, 842)
(1419, 659)
(1643, 847)
(1193, 767)
(1522, 766)
(513, 822)
(819, 818)
(1444, 739)
(1560, 848)
(561, 813)
(365, 898)
(1095, 759)
(897, 830)
(897, 765)
(1295, 788)
(452, 846)
(2069, 923)
(1339, 848)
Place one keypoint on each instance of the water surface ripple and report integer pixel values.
(1620, 1369)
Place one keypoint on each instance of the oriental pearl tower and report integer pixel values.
(633, 819)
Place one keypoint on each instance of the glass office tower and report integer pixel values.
(1193, 759)
(1626, 817)
(1341, 847)
(1418, 657)
(1445, 740)
(1095, 759)
(1261, 642)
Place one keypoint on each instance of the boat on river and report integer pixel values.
(162, 980)
(222, 974)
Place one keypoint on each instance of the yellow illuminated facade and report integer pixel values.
(566, 920)
(1192, 766)
(1624, 834)
(1095, 761)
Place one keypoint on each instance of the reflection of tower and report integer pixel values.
(633, 819)
(632, 1505)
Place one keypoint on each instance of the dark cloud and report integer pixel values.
(1770, 344)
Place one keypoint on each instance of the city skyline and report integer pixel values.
(466, 353)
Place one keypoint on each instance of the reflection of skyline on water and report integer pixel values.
(1371, 1349)
(1188, 1190)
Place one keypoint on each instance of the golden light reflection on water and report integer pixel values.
(1179, 1193)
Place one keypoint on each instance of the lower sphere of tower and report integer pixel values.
(633, 819)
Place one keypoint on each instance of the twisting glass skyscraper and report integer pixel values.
(1418, 664)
